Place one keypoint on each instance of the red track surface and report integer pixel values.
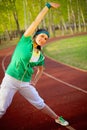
(60, 90)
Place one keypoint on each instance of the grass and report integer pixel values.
(6, 44)
(71, 51)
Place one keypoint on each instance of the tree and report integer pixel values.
(15, 14)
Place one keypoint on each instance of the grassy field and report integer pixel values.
(71, 51)
(6, 44)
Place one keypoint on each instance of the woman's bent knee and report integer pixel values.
(39, 105)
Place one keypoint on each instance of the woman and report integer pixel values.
(18, 76)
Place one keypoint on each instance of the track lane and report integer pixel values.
(69, 102)
(52, 97)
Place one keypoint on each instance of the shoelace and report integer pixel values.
(61, 119)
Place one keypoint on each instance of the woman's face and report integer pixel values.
(41, 39)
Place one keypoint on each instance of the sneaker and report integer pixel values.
(61, 121)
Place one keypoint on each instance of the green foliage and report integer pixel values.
(27, 10)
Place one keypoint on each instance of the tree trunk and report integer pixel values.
(15, 16)
(17, 23)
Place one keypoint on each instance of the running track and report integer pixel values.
(63, 88)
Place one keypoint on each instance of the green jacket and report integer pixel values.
(20, 66)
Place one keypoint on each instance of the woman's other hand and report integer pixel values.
(54, 5)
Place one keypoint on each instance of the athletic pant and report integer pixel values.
(10, 86)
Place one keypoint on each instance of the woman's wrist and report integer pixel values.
(48, 5)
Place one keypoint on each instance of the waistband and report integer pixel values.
(14, 79)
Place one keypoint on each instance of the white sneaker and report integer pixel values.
(61, 121)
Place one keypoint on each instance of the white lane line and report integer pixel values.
(57, 79)
(50, 76)
(70, 85)
(70, 128)
(3, 67)
(3, 60)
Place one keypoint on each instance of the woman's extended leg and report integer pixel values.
(31, 94)
(6, 95)
(47, 110)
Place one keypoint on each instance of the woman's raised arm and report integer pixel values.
(39, 18)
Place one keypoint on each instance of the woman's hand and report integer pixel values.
(54, 5)
(37, 76)
(38, 19)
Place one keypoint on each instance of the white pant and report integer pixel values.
(10, 86)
